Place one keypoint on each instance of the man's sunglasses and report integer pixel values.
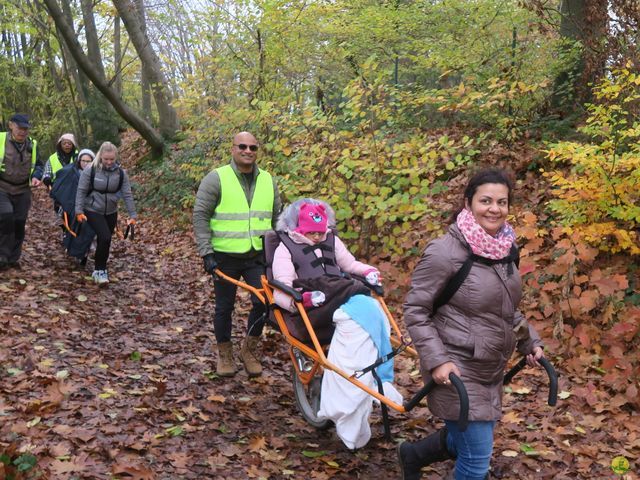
(244, 146)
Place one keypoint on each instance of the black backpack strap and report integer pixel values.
(121, 179)
(93, 177)
(459, 277)
(515, 255)
(453, 284)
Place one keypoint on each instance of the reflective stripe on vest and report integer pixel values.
(55, 163)
(34, 145)
(236, 226)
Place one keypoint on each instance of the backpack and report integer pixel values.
(93, 177)
(459, 277)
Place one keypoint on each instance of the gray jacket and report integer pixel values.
(103, 196)
(208, 198)
(477, 330)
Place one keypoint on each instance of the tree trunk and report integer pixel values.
(144, 80)
(79, 78)
(584, 21)
(91, 34)
(168, 119)
(155, 140)
(117, 56)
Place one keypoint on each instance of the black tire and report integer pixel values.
(308, 399)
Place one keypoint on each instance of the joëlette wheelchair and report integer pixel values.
(309, 357)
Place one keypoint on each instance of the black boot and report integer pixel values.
(412, 456)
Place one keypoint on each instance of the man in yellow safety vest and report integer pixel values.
(235, 205)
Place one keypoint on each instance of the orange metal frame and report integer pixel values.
(318, 352)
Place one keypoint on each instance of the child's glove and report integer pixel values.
(373, 277)
(313, 299)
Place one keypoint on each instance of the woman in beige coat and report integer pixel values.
(474, 333)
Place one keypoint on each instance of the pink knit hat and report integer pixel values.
(312, 218)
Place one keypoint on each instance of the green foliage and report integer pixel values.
(598, 196)
(25, 462)
(103, 118)
(377, 170)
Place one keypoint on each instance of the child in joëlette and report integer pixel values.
(361, 328)
(307, 222)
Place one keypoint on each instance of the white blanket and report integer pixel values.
(345, 404)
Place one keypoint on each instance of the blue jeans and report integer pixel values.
(473, 448)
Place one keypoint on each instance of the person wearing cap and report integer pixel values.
(235, 206)
(20, 168)
(65, 154)
(64, 191)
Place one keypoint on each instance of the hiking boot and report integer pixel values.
(249, 357)
(225, 366)
(412, 456)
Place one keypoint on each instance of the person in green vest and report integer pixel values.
(65, 154)
(235, 205)
(20, 168)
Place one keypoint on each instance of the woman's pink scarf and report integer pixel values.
(481, 242)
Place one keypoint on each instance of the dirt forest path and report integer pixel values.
(117, 383)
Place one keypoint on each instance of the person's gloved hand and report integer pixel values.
(131, 221)
(313, 299)
(47, 181)
(373, 277)
(81, 217)
(210, 263)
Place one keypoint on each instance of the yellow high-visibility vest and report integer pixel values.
(236, 225)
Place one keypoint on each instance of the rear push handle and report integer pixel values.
(551, 373)
(463, 418)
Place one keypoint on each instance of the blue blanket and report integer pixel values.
(366, 312)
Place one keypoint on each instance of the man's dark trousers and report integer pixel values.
(250, 269)
(14, 209)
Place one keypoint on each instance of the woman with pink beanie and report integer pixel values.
(312, 258)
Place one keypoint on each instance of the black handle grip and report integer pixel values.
(297, 296)
(514, 371)
(551, 373)
(458, 384)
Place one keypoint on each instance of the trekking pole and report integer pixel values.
(66, 224)
(131, 230)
